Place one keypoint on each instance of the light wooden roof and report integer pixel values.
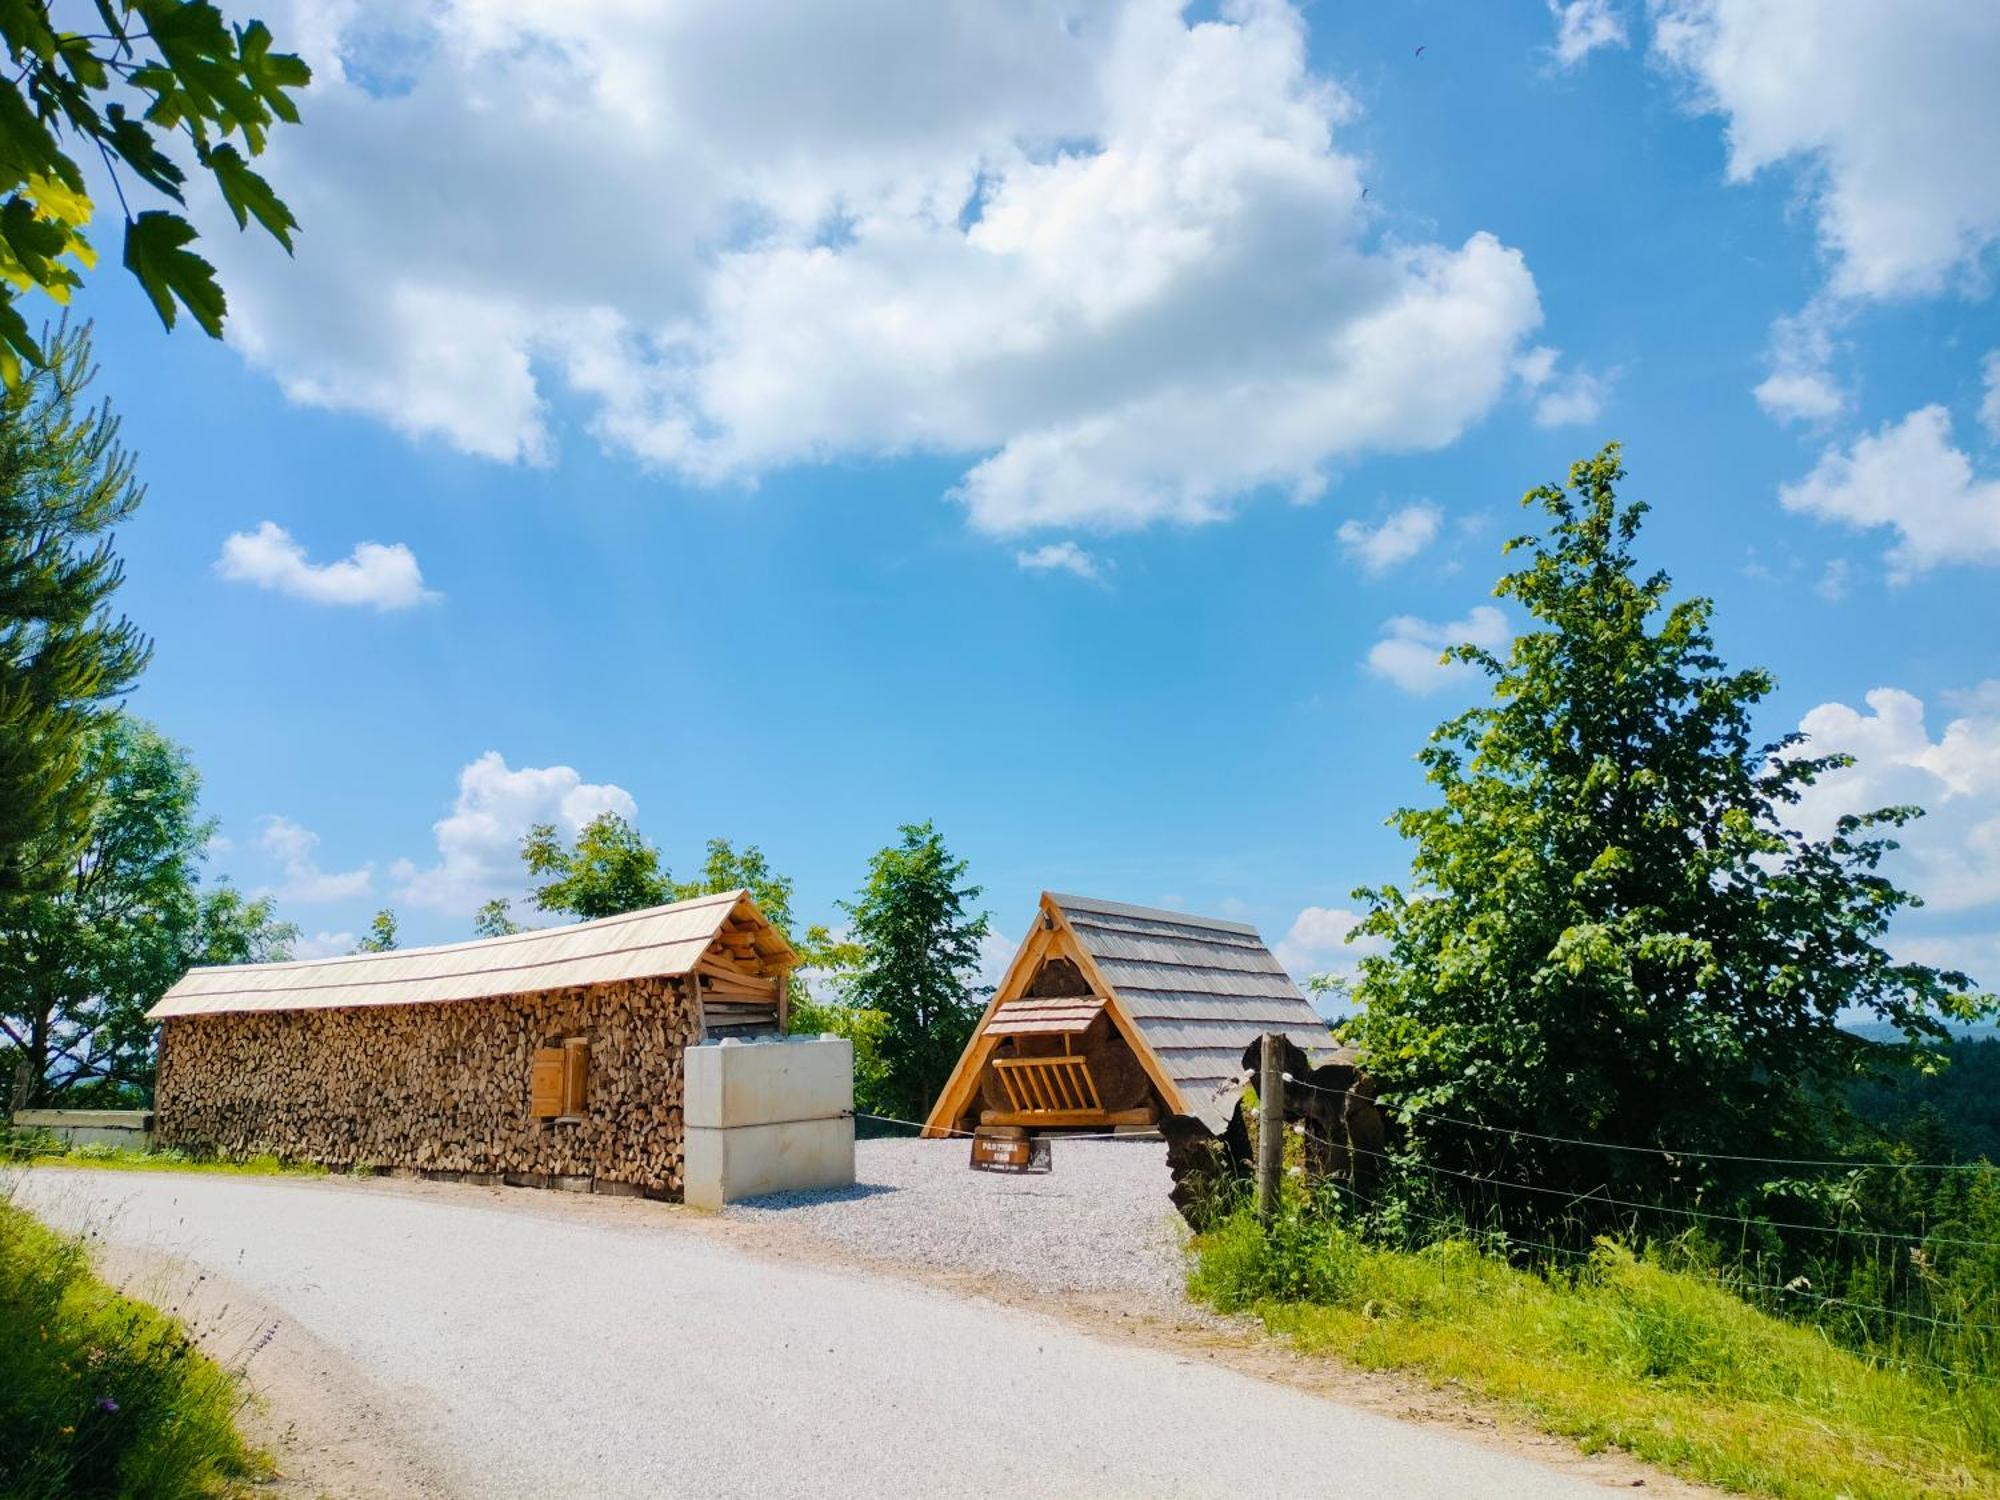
(658, 941)
(1199, 989)
(1047, 1017)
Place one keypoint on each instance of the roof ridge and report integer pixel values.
(1150, 913)
(525, 934)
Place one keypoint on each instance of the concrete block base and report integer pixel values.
(768, 1117)
(747, 1161)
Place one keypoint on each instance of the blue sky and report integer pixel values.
(1017, 417)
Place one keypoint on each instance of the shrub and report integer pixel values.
(101, 1395)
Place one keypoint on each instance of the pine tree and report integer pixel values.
(918, 955)
(64, 484)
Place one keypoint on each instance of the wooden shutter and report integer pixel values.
(575, 1075)
(545, 1085)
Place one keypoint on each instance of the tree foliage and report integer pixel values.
(609, 868)
(154, 86)
(381, 934)
(1613, 930)
(64, 484)
(495, 919)
(918, 954)
(81, 964)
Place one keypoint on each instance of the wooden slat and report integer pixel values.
(545, 1083)
(1058, 1085)
(1144, 1115)
(576, 1076)
(1096, 1102)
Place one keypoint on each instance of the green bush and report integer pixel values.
(101, 1395)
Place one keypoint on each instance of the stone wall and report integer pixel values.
(438, 1088)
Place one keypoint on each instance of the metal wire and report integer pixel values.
(861, 1114)
(1669, 1152)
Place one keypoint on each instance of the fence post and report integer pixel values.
(1270, 1125)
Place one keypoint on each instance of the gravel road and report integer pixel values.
(558, 1351)
(1100, 1222)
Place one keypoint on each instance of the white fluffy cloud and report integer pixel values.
(1113, 256)
(1800, 395)
(1562, 398)
(1989, 405)
(1583, 26)
(1397, 538)
(1887, 108)
(1575, 400)
(1907, 476)
(295, 849)
(479, 841)
(1409, 651)
(324, 945)
(1317, 942)
(386, 577)
(1801, 386)
(1952, 857)
(1058, 557)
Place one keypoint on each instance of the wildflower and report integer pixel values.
(105, 1403)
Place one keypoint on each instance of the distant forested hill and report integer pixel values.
(1963, 1100)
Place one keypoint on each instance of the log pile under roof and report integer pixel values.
(427, 1060)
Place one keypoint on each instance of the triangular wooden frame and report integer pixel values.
(1051, 936)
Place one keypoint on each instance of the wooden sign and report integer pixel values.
(992, 1153)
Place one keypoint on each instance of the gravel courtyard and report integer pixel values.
(1099, 1222)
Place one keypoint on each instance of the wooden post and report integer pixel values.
(1270, 1125)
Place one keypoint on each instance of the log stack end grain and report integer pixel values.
(439, 1089)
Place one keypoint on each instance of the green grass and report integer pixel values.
(101, 1396)
(1618, 1353)
(39, 1148)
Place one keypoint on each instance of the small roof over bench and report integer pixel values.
(724, 935)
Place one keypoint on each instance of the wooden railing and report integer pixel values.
(1048, 1085)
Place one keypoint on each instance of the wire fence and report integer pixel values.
(1669, 1153)
(1968, 1334)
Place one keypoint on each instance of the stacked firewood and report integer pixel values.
(439, 1088)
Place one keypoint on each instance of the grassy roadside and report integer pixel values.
(101, 1395)
(1619, 1354)
(39, 1149)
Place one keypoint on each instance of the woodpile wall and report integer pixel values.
(439, 1088)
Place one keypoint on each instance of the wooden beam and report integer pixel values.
(956, 1095)
(1060, 1119)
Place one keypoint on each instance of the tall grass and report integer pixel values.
(101, 1396)
(1612, 1348)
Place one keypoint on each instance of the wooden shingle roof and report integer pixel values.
(1199, 989)
(656, 942)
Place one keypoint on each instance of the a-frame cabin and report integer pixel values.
(1114, 1016)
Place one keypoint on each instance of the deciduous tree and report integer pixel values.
(151, 89)
(81, 964)
(495, 919)
(1614, 930)
(610, 868)
(381, 934)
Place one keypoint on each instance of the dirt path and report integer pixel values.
(382, 1374)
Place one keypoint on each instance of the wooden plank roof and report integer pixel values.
(658, 941)
(1045, 1016)
(1199, 990)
